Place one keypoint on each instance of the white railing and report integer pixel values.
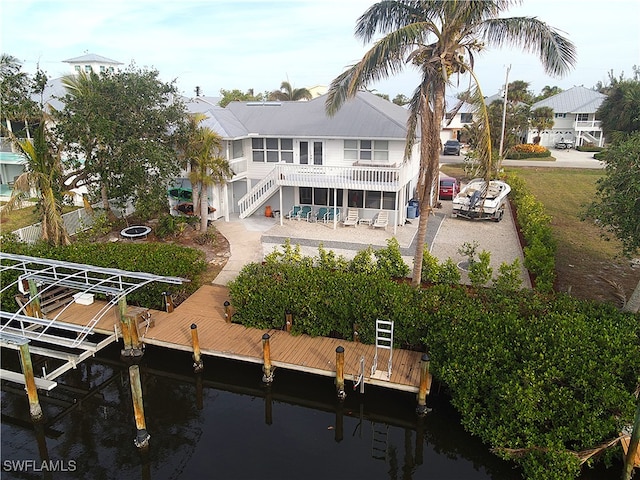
(74, 222)
(388, 179)
(591, 124)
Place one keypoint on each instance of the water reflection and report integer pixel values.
(225, 423)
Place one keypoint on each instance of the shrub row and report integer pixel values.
(589, 147)
(535, 226)
(537, 377)
(156, 258)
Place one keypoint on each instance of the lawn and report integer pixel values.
(22, 217)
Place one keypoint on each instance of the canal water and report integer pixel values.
(224, 424)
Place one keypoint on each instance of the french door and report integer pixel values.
(311, 152)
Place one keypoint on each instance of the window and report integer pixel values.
(466, 118)
(582, 117)
(560, 115)
(272, 150)
(355, 198)
(236, 149)
(87, 68)
(77, 67)
(366, 150)
(306, 197)
(102, 69)
(380, 200)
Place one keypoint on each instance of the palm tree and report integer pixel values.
(289, 94)
(43, 176)
(541, 119)
(202, 147)
(440, 38)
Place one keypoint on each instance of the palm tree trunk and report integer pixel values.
(633, 304)
(429, 167)
(204, 209)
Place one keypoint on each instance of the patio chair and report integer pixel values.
(382, 220)
(352, 218)
(329, 216)
(305, 213)
(294, 212)
(321, 214)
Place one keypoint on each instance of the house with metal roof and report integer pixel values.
(91, 62)
(574, 118)
(287, 154)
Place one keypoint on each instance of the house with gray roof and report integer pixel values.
(287, 154)
(574, 118)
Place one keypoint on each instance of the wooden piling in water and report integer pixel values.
(142, 436)
(35, 410)
(132, 346)
(168, 301)
(425, 383)
(340, 373)
(268, 405)
(266, 356)
(198, 365)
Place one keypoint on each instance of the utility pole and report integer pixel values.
(504, 113)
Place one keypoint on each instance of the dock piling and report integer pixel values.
(168, 301)
(340, 373)
(198, 365)
(266, 356)
(228, 314)
(30, 382)
(288, 321)
(425, 383)
(142, 436)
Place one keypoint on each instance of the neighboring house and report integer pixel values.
(574, 118)
(91, 62)
(453, 124)
(291, 153)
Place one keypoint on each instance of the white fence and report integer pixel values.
(74, 222)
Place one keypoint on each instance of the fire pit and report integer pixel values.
(136, 231)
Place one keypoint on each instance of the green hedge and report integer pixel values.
(156, 258)
(525, 155)
(589, 148)
(546, 374)
(535, 226)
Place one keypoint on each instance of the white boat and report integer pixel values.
(479, 201)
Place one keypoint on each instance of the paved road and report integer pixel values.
(563, 159)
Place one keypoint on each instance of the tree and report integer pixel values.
(541, 119)
(400, 99)
(236, 95)
(42, 176)
(202, 148)
(121, 128)
(548, 91)
(617, 207)
(16, 88)
(441, 39)
(289, 94)
(519, 92)
(620, 111)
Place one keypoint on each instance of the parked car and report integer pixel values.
(449, 188)
(452, 147)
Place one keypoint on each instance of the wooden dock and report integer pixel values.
(315, 355)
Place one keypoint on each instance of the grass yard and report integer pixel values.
(22, 217)
(587, 265)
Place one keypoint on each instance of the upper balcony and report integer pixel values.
(588, 125)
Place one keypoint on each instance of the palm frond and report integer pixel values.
(557, 53)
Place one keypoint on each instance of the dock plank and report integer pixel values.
(218, 338)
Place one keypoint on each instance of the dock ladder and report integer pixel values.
(384, 341)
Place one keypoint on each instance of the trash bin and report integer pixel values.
(411, 211)
(414, 203)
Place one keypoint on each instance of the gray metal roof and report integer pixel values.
(575, 100)
(92, 57)
(364, 116)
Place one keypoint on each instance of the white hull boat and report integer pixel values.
(477, 200)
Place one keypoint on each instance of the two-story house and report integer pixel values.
(292, 153)
(574, 118)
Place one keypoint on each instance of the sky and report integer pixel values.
(218, 44)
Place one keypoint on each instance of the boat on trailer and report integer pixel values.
(481, 200)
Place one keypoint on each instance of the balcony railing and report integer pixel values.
(588, 125)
